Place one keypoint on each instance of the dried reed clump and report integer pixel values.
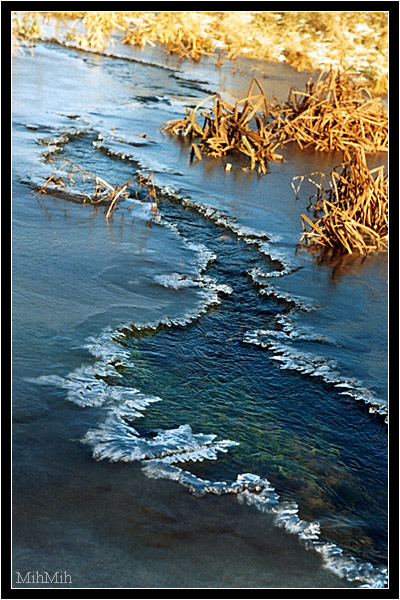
(100, 191)
(98, 28)
(355, 209)
(25, 26)
(242, 128)
(183, 33)
(334, 113)
(355, 41)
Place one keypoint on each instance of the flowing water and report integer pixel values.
(196, 402)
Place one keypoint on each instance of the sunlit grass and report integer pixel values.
(242, 128)
(351, 214)
(337, 112)
(332, 113)
(100, 191)
(356, 42)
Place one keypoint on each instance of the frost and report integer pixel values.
(116, 440)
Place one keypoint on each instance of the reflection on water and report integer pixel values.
(342, 265)
(201, 344)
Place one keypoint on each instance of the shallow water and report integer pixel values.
(195, 347)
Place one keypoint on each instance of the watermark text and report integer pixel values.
(43, 578)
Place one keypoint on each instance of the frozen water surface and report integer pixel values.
(195, 402)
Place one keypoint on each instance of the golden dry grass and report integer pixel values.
(242, 128)
(333, 113)
(354, 41)
(101, 192)
(354, 209)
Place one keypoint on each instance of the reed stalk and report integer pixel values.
(354, 41)
(351, 216)
(100, 191)
(333, 113)
(242, 128)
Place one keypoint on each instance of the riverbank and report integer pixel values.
(355, 42)
(262, 361)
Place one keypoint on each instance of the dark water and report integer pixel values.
(192, 348)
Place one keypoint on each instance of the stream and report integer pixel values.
(197, 402)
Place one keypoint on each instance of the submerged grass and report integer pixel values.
(354, 209)
(354, 41)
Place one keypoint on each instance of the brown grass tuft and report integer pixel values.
(354, 41)
(354, 209)
(334, 113)
(241, 128)
(101, 191)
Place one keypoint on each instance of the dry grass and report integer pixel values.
(356, 42)
(354, 209)
(334, 113)
(182, 33)
(26, 26)
(100, 192)
(25, 29)
(242, 128)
